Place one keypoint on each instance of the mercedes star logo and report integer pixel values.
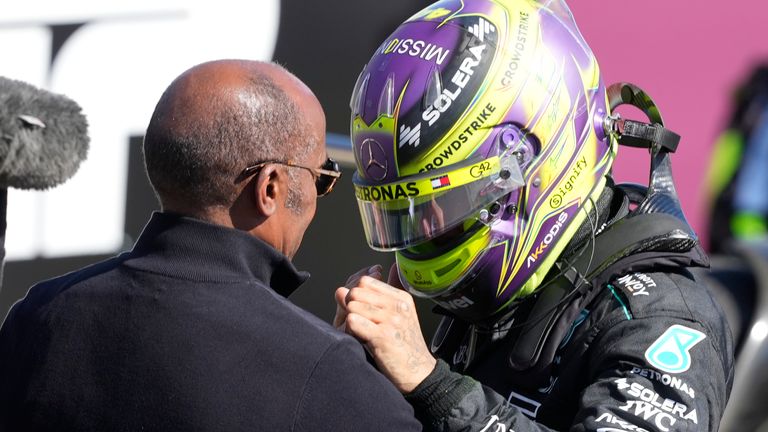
(374, 159)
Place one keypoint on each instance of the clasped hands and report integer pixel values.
(382, 316)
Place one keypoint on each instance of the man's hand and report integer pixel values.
(339, 321)
(384, 319)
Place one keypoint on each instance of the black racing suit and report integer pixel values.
(643, 348)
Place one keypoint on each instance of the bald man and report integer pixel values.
(191, 330)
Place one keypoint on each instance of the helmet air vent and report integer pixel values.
(433, 91)
(387, 98)
(355, 103)
(440, 272)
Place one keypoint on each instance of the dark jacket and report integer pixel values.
(189, 331)
(644, 347)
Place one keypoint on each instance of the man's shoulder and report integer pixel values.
(42, 293)
(302, 323)
(657, 293)
(666, 298)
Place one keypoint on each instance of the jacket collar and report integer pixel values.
(188, 248)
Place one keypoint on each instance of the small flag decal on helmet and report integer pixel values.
(440, 182)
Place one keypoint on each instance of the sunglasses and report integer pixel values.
(325, 176)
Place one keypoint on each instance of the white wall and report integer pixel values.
(116, 66)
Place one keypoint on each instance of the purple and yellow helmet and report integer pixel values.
(477, 129)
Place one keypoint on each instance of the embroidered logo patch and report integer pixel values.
(637, 284)
(671, 351)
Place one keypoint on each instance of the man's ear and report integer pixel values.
(269, 189)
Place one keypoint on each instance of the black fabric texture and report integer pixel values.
(189, 331)
(439, 393)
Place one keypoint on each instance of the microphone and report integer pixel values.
(43, 139)
(43, 136)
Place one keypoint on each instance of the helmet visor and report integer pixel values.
(419, 208)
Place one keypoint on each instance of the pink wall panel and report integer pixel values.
(689, 56)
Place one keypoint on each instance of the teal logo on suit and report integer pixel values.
(671, 351)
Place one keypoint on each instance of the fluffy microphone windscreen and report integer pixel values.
(43, 136)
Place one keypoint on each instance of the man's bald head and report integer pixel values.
(218, 118)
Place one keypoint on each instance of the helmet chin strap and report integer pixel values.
(660, 196)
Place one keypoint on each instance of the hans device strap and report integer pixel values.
(637, 134)
(661, 196)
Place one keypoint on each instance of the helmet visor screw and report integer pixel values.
(484, 216)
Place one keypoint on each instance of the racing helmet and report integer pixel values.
(478, 134)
